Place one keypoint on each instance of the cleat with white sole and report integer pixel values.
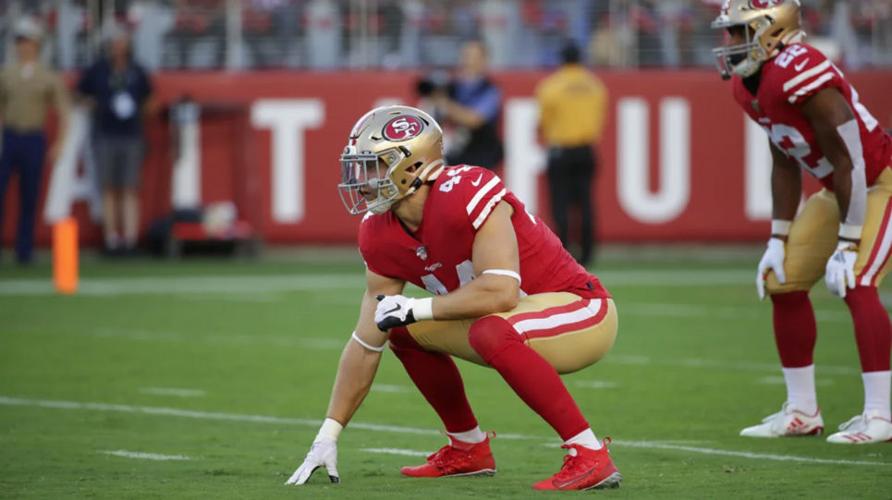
(867, 428)
(789, 422)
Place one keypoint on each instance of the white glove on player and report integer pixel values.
(772, 260)
(396, 310)
(840, 271)
(323, 453)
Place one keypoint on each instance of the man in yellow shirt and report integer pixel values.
(573, 107)
(27, 90)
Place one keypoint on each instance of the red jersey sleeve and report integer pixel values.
(801, 72)
(479, 191)
(372, 255)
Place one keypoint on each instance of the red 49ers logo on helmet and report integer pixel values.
(764, 4)
(403, 128)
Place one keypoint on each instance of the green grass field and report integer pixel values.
(224, 367)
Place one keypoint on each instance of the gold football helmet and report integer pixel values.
(767, 25)
(391, 152)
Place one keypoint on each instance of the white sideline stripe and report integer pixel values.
(396, 451)
(234, 417)
(746, 454)
(391, 388)
(753, 312)
(246, 285)
(144, 456)
(805, 75)
(584, 312)
(173, 391)
(811, 86)
(488, 208)
(779, 380)
(596, 384)
(721, 364)
(481, 193)
(173, 285)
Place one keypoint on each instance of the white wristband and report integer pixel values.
(368, 346)
(781, 227)
(504, 272)
(330, 429)
(850, 231)
(423, 309)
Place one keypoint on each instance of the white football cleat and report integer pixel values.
(867, 428)
(787, 423)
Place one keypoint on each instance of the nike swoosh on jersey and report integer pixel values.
(800, 65)
(476, 183)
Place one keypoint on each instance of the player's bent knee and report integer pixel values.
(490, 335)
(773, 287)
(401, 339)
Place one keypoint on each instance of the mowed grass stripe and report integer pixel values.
(266, 419)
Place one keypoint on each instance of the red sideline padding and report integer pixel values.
(277, 156)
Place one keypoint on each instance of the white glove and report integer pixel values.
(323, 453)
(772, 260)
(397, 310)
(840, 271)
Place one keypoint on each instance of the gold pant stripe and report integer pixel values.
(879, 256)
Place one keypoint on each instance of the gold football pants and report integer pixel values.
(570, 332)
(813, 238)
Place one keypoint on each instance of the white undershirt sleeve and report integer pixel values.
(850, 228)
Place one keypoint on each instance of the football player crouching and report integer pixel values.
(506, 295)
(815, 123)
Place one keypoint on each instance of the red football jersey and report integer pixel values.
(787, 81)
(437, 256)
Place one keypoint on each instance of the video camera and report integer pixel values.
(433, 83)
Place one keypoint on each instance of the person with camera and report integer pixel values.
(469, 106)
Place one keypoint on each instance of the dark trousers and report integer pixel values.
(570, 175)
(22, 153)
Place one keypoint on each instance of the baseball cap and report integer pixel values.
(29, 28)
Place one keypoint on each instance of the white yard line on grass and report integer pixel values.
(235, 417)
(595, 384)
(173, 391)
(144, 456)
(391, 388)
(720, 364)
(752, 312)
(396, 451)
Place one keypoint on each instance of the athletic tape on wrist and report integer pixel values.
(850, 232)
(781, 227)
(423, 309)
(367, 345)
(503, 272)
(330, 429)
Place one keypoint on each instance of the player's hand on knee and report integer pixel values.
(772, 260)
(323, 453)
(840, 272)
(397, 310)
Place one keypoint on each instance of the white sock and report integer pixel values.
(876, 392)
(474, 436)
(585, 438)
(801, 389)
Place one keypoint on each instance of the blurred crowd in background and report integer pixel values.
(395, 34)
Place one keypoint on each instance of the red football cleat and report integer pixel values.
(456, 459)
(584, 469)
